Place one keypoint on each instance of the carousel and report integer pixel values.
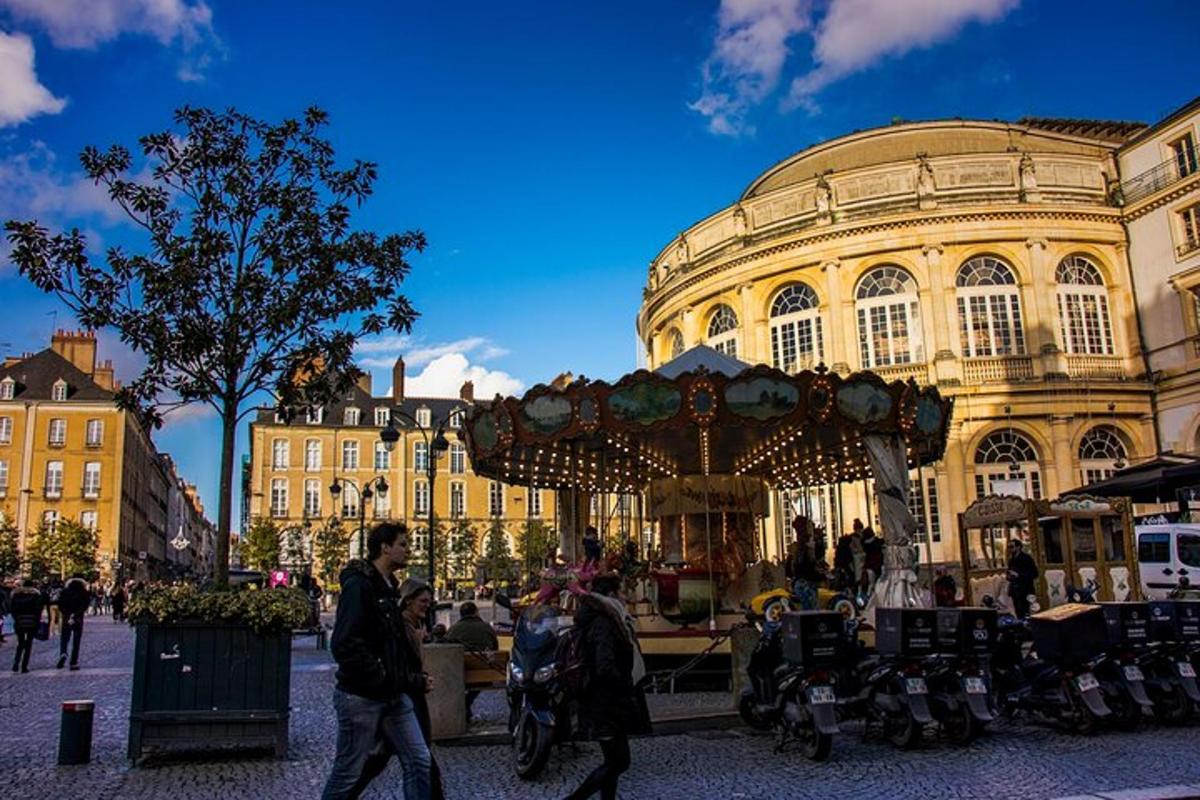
(701, 443)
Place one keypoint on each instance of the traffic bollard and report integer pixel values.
(75, 732)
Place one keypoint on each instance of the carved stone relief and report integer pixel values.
(973, 173)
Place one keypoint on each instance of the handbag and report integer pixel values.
(43, 631)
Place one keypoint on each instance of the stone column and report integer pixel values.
(687, 326)
(957, 485)
(752, 328)
(1040, 305)
(1064, 460)
(889, 467)
(838, 329)
(946, 366)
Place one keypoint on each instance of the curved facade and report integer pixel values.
(984, 257)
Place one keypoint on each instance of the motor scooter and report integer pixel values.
(538, 707)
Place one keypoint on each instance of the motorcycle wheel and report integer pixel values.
(960, 725)
(1173, 707)
(1126, 713)
(815, 745)
(903, 731)
(531, 747)
(748, 710)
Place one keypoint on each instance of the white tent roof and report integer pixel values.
(701, 356)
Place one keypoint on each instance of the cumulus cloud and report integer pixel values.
(445, 375)
(855, 34)
(381, 351)
(22, 96)
(86, 24)
(755, 38)
(747, 59)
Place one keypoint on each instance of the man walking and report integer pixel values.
(73, 602)
(1022, 574)
(377, 672)
(26, 605)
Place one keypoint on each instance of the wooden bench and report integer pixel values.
(485, 670)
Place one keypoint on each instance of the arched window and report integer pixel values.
(1101, 453)
(989, 309)
(722, 330)
(889, 318)
(1006, 462)
(795, 328)
(1083, 308)
(675, 344)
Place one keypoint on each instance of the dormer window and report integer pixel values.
(8, 389)
(456, 418)
(424, 417)
(350, 416)
(381, 417)
(316, 415)
(59, 391)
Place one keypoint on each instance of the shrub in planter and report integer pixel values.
(212, 668)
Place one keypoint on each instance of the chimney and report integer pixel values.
(104, 376)
(398, 381)
(467, 392)
(78, 347)
(364, 382)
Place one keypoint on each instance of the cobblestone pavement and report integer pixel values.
(1013, 760)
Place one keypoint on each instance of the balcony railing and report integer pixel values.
(1153, 180)
(902, 372)
(999, 369)
(1105, 367)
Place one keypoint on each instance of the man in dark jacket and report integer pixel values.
(609, 706)
(1022, 572)
(26, 605)
(73, 602)
(377, 673)
(474, 634)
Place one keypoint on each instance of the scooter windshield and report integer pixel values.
(536, 627)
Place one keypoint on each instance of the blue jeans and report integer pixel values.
(361, 723)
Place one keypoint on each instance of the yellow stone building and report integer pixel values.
(987, 258)
(67, 452)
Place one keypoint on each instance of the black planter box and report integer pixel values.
(209, 686)
(1071, 633)
(812, 638)
(906, 631)
(1128, 623)
(1175, 620)
(968, 631)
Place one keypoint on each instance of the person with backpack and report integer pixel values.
(612, 667)
(73, 602)
(26, 605)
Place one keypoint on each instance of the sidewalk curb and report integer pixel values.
(667, 726)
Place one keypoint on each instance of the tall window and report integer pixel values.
(1083, 308)
(675, 343)
(279, 454)
(383, 505)
(312, 497)
(420, 456)
(4, 478)
(381, 417)
(383, 459)
(795, 328)
(424, 417)
(420, 497)
(350, 416)
(58, 391)
(94, 433)
(312, 455)
(989, 309)
(350, 500)
(495, 499)
(89, 519)
(889, 318)
(1101, 453)
(535, 502)
(279, 497)
(5, 430)
(54, 478)
(1006, 456)
(722, 331)
(1184, 150)
(91, 479)
(350, 455)
(458, 458)
(58, 432)
(1189, 220)
(458, 499)
(50, 520)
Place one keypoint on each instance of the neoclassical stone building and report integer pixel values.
(986, 257)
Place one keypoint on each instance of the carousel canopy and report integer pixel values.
(791, 430)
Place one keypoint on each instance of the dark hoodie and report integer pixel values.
(369, 640)
(609, 701)
(26, 606)
(75, 597)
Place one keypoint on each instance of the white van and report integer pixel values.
(1165, 554)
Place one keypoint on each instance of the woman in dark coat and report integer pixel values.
(609, 706)
(26, 606)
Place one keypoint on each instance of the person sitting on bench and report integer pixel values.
(475, 635)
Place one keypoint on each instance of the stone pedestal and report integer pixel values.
(447, 701)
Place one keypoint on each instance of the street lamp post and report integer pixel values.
(380, 485)
(433, 450)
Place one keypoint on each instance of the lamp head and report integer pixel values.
(335, 488)
(382, 487)
(389, 436)
(440, 443)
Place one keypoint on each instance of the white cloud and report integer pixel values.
(855, 34)
(85, 24)
(747, 59)
(22, 96)
(445, 375)
(382, 351)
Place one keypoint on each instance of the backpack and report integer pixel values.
(572, 668)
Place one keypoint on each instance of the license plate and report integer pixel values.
(916, 686)
(1087, 682)
(975, 686)
(1134, 674)
(1186, 670)
(821, 694)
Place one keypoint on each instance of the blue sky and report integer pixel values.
(547, 149)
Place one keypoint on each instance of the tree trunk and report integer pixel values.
(225, 506)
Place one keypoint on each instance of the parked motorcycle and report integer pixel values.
(538, 710)
(959, 693)
(891, 690)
